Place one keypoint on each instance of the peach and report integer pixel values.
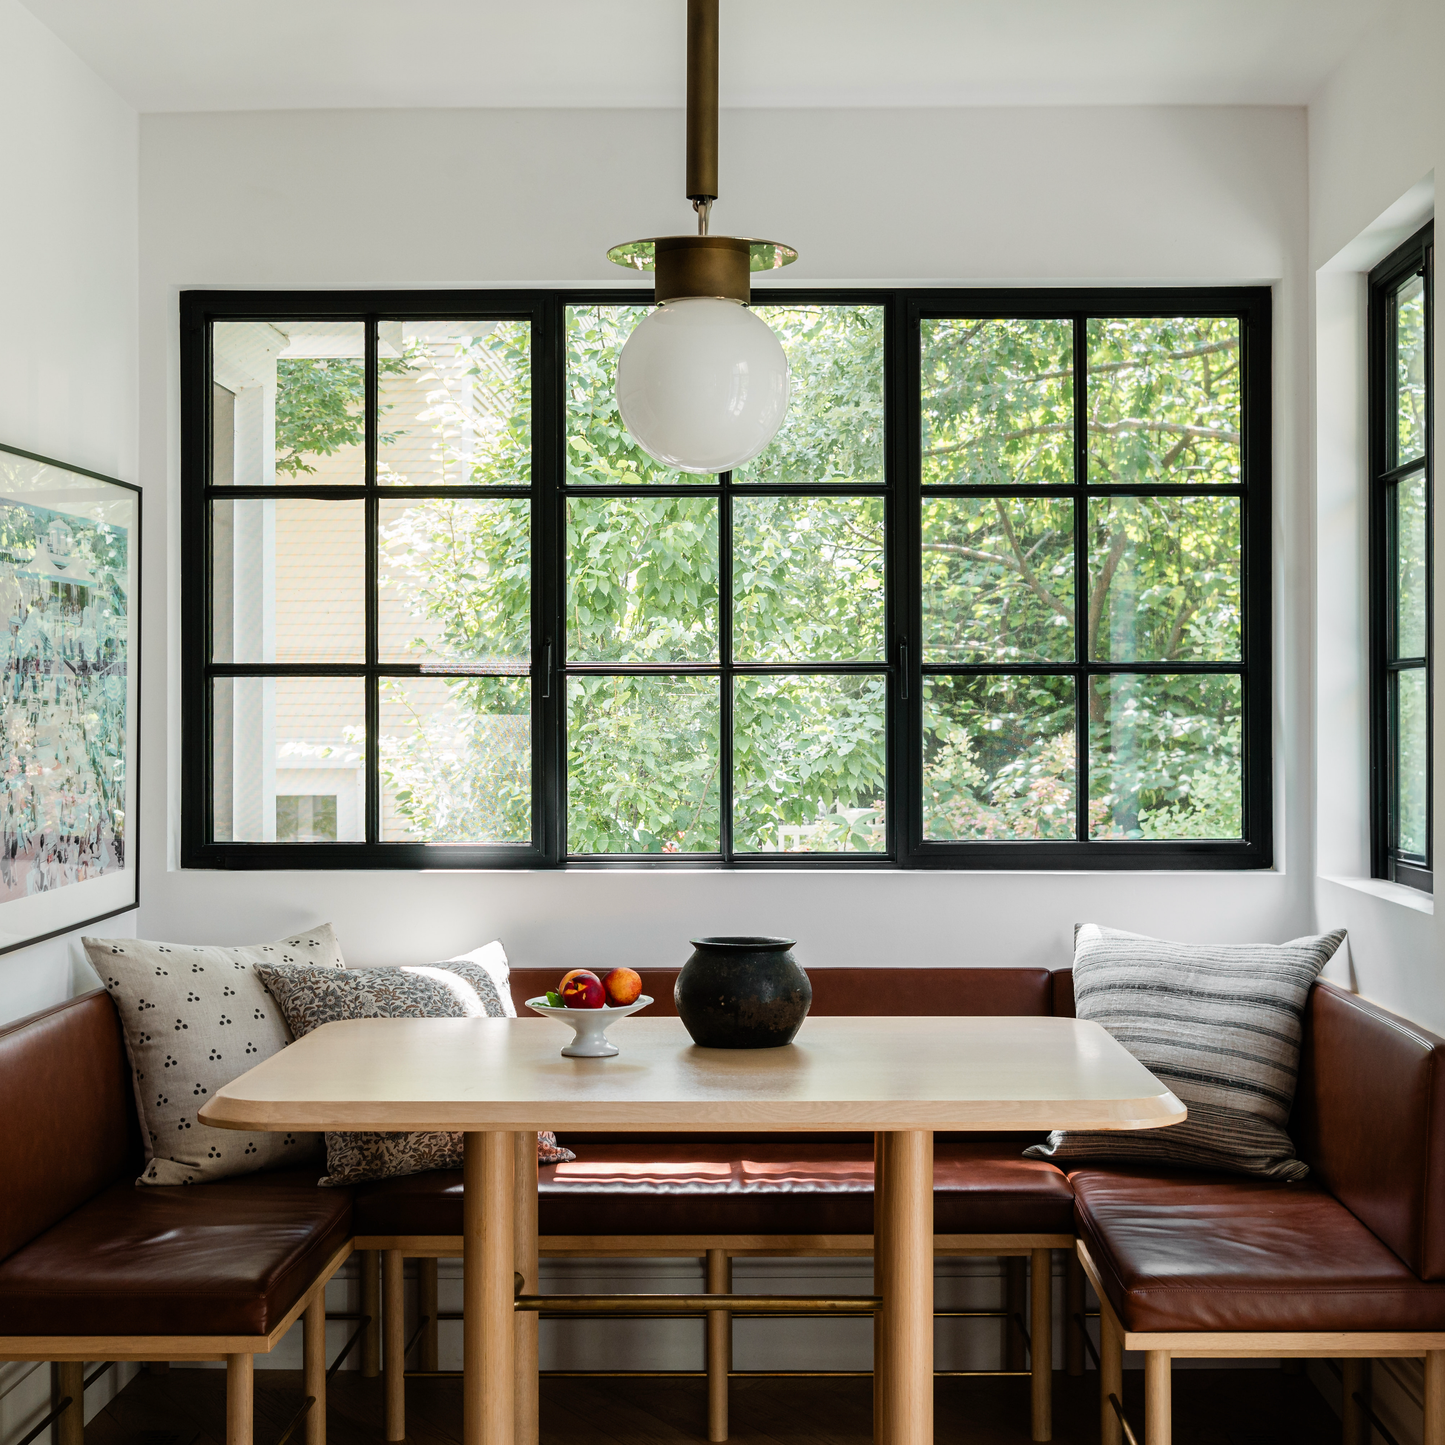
(581, 989)
(622, 986)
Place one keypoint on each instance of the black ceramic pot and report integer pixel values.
(742, 993)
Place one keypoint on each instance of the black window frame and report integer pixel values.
(904, 311)
(1387, 860)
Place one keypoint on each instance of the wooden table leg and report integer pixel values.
(1434, 1430)
(524, 1262)
(904, 1243)
(488, 1334)
(1158, 1408)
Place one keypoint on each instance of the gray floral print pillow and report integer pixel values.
(458, 988)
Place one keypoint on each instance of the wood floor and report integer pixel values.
(1213, 1407)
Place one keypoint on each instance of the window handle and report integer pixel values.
(547, 671)
(903, 671)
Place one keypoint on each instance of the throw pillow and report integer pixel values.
(195, 1019)
(1220, 1025)
(472, 986)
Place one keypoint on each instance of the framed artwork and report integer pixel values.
(69, 700)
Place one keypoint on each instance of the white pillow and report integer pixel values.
(196, 1018)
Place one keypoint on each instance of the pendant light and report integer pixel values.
(702, 383)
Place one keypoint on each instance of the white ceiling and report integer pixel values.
(176, 55)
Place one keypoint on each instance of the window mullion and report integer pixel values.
(372, 399)
(1081, 581)
(725, 660)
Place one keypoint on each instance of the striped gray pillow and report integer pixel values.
(1220, 1025)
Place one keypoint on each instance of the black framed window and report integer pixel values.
(1401, 338)
(997, 595)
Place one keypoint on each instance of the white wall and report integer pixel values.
(476, 198)
(1376, 140)
(68, 270)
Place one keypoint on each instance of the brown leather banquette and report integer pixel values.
(84, 1252)
(1354, 1253)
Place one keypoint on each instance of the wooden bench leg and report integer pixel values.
(719, 1345)
(240, 1399)
(70, 1381)
(1354, 1382)
(1158, 1408)
(393, 1342)
(1073, 1313)
(1111, 1378)
(1434, 1432)
(370, 1264)
(313, 1354)
(1041, 1344)
(1015, 1302)
(428, 1293)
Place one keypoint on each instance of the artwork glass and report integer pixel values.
(69, 594)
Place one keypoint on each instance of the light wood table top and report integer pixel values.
(841, 1072)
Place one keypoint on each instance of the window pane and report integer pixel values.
(456, 760)
(1164, 400)
(288, 756)
(642, 765)
(1164, 579)
(834, 427)
(455, 404)
(295, 409)
(998, 758)
(1409, 371)
(810, 764)
(1165, 757)
(998, 402)
(600, 450)
(642, 579)
(288, 580)
(998, 579)
(1412, 766)
(807, 579)
(1410, 565)
(455, 581)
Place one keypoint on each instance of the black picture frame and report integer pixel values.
(61, 588)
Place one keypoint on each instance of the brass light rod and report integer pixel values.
(702, 48)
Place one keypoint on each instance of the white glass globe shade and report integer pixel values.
(702, 384)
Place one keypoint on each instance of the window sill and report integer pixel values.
(1390, 892)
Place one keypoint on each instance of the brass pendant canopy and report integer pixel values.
(702, 265)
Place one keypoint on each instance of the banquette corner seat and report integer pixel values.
(94, 1268)
(1347, 1264)
(718, 1197)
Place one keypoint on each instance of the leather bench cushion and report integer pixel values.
(67, 1114)
(208, 1259)
(771, 1187)
(881, 992)
(1216, 1252)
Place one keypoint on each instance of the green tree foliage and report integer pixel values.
(642, 586)
(1163, 583)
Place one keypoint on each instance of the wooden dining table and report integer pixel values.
(499, 1081)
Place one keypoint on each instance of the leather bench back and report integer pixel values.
(67, 1114)
(879, 992)
(1369, 1120)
